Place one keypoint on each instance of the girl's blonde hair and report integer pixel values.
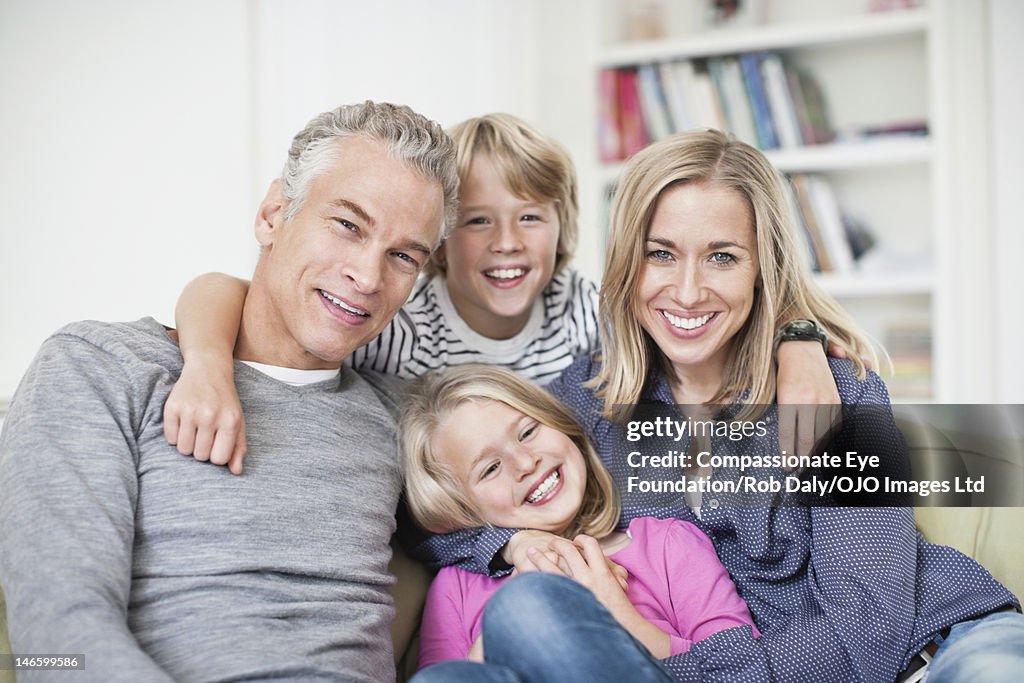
(531, 165)
(786, 290)
(437, 500)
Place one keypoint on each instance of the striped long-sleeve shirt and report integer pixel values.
(428, 333)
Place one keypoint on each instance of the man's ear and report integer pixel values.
(270, 215)
(440, 258)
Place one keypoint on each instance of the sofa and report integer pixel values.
(991, 535)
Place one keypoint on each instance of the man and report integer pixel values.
(114, 546)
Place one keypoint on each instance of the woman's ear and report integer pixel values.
(270, 214)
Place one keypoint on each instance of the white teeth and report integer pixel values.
(505, 273)
(687, 323)
(342, 305)
(544, 488)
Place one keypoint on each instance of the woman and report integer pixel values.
(702, 263)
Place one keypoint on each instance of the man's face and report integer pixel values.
(335, 273)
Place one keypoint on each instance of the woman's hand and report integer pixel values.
(203, 416)
(587, 564)
(525, 545)
(583, 560)
(810, 409)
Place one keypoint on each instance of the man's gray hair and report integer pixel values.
(408, 136)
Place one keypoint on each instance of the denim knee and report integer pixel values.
(986, 650)
(532, 603)
(462, 671)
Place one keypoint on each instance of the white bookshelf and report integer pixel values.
(876, 69)
(861, 29)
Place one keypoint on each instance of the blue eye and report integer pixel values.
(347, 225)
(659, 255)
(723, 258)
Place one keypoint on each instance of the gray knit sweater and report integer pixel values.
(158, 567)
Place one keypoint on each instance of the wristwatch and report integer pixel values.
(802, 330)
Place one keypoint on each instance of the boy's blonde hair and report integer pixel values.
(437, 500)
(531, 165)
(785, 291)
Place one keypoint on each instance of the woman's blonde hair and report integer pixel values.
(786, 290)
(437, 500)
(530, 164)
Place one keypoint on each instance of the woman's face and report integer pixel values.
(518, 472)
(700, 268)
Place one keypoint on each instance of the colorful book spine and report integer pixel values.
(652, 102)
(609, 138)
(783, 113)
(634, 131)
(750, 64)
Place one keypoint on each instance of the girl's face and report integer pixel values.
(518, 472)
(700, 268)
(501, 254)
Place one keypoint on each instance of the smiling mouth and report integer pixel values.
(502, 274)
(348, 308)
(545, 487)
(688, 323)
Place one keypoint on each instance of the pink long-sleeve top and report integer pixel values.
(675, 581)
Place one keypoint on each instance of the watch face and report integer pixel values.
(802, 326)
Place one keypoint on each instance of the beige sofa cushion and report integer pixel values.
(992, 536)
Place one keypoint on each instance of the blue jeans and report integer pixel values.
(985, 650)
(545, 627)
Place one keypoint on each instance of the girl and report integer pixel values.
(500, 290)
(703, 262)
(485, 447)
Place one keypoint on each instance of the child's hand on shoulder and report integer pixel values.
(203, 416)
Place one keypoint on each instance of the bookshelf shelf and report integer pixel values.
(857, 28)
(873, 285)
(868, 153)
(873, 152)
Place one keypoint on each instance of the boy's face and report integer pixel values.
(501, 254)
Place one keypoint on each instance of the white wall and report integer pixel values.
(1006, 21)
(125, 167)
(138, 136)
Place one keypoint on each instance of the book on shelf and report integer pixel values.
(758, 96)
(653, 104)
(732, 92)
(830, 221)
(609, 126)
(780, 104)
(675, 82)
(909, 345)
(811, 111)
(808, 249)
(836, 239)
(820, 260)
(707, 107)
(750, 63)
(634, 130)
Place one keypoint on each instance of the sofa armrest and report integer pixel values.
(409, 591)
(5, 644)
